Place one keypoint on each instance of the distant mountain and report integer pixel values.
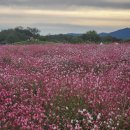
(121, 34)
(73, 34)
(104, 34)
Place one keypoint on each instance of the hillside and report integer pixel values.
(121, 34)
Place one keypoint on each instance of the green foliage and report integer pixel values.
(34, 31)
(91, 36)
(62, 38)
(128, 40)
(109, 39)
(68, 107)
(18, 34)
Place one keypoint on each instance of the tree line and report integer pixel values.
(30, 35)
(18, 34)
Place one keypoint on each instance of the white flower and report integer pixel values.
(77, 121)
(67, 108)
(84, 110)
(99, 116)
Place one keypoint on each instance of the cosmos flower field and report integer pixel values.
(65, 87)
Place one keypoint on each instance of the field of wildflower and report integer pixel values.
(65, 87)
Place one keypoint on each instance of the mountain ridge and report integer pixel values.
(123, 34)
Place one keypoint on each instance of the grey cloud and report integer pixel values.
(41, 22)
(66, 3)
(45, 18)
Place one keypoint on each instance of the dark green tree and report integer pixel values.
(18, 34)
(33, 31)
(109, 39)
(91, 36)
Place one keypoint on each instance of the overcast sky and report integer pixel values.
(65, 16)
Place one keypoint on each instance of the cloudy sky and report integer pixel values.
(65, 16)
